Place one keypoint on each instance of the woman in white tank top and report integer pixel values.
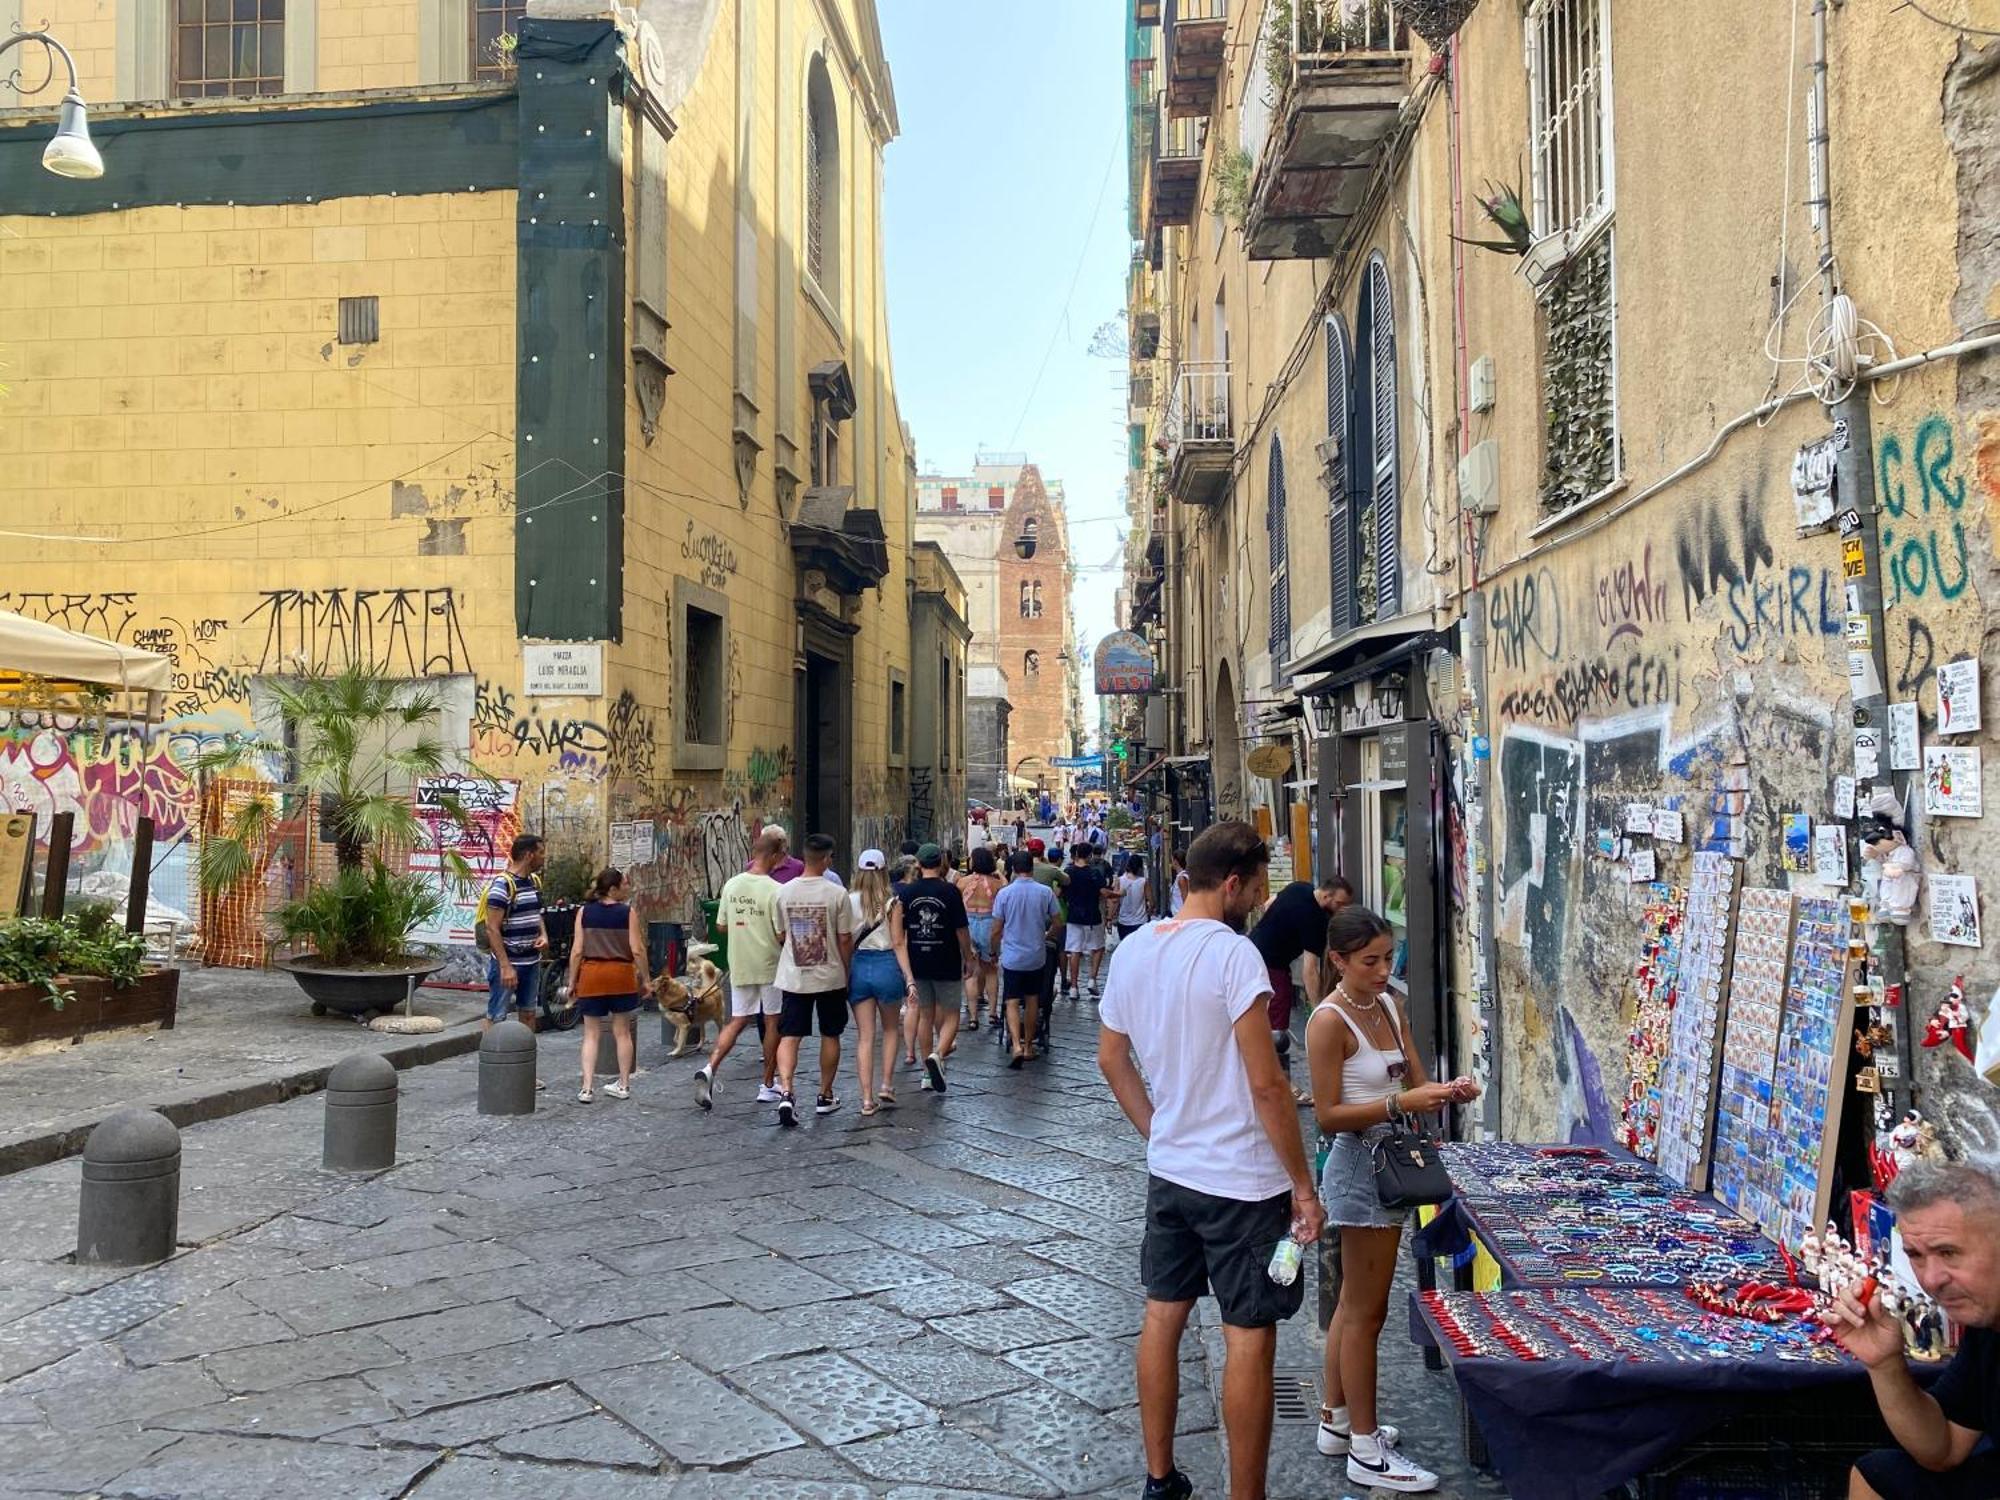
(1364, 1071)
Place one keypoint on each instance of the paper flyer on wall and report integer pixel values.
(1955, 910)
(1958, 696)
(1905, 744)
(1951, 781)
(1830, 854)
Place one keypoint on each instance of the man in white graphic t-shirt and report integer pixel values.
(1228, 1170)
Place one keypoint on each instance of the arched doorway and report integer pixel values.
(1226, 752)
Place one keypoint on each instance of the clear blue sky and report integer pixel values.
(1012, 114)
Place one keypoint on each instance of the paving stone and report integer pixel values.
(939, 1299)
(679, 1255)
(847, 1325)
(246, 1371)
(833, 1399)
(463, 1330)
(329, 1301)
(920, 1235)
(994, 1265)
(461, 1426)
(1113, 1267)
(593, 1439)
(397, 1237)
(312, 1410)
(696, 1419)
(926, 1198)
(769, 1283)
(456, 1261)
(845, 1206)
(1005, 1329)
(421, 1385)
(1093, 1370)
(801, 1238)
(1077, 1449)
(468, 1477)
(45, 1458)
(226, 1468)
(941, 1370)
(606, 1298)
(875, 1270)
(365, 1207)
(728, 1338)
(733, 1487)
(1084, 1224)
(90, 1316)
(107, 1397)
(1028, 1171)
(211, 1324)
(1083, 1300)
(1109, 1196)
(16, 1301)
(944, 1458)
(1000, 1227)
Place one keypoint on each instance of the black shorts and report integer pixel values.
(1021, 984)
(1196, 1243)
(796, 1016)
(1126, 929)
(599, 1007)
(1894, 1475)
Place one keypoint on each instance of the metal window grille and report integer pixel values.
(1569, 77)
(492, 60)
(702, 675)
(360, 320)
(1387, 498)
(1281, 582)
(1340, 507)
(1580, 378)
(228, 47)
(821, 179)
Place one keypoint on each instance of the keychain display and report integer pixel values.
(1655, 982)
(1688, 1077)
(1553, 1323)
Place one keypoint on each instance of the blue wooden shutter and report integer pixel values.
(1340, 510)
(1281, 582)
(1388, 498)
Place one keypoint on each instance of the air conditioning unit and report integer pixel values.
(1479, 479)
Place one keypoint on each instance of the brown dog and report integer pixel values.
(691, 1007)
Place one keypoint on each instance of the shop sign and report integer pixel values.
(1382, 706)
(1123, 665)
(1395, 757)
(563, 669)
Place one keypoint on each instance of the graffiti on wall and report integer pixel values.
(1541, 785)
(1524, 616)
(923, 808)
(1922, 494)
(414, 632)
(1604, 684)
(628, 741)
(491, 820)
(1726, 555)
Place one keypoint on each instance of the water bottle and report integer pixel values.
(1285, 1261)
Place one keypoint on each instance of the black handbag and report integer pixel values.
(1409, 1170)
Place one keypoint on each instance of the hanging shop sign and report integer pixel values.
(1123, 665)
(1270, 761)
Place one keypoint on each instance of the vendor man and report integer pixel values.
(1949, 1217)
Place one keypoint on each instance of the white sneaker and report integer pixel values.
(617, 1091)
(1390, 1471)
(768, 1093)
(704, 1088)
(1335, 1441)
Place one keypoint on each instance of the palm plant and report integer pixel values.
(359, 739)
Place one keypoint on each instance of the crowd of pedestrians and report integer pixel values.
(1195, 1007)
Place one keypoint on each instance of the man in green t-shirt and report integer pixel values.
(748, 912)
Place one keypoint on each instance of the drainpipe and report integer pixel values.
(1819, 190)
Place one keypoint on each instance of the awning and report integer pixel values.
(47, 668)
(1169, 763)
(1348, 659)
(1343, 649)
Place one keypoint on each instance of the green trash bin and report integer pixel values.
(716, 932)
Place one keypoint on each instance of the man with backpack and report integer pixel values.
(512, 934)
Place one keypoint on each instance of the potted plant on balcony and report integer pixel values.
(357, 736)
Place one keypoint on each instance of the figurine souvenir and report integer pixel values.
(1891, 863)
(1952, 1023)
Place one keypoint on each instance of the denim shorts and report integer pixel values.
(502, 1002)
(876, 975)
(1347, 1185)
(981, 927)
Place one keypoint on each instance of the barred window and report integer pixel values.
(1570, 113)
(229, 47)
(495, 23)
(822, 180)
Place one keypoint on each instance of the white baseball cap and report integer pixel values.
(871, 859)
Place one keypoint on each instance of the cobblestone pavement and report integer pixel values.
(635, 1300)
(242, 1038)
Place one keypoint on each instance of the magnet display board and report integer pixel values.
(1694, 1050)
(1743, 1168)
(1808, 1085)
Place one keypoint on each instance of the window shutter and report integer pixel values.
(1340, 510)
(1388, 499)
(1281, 582)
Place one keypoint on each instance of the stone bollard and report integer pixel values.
(507, 1070)
(360, 1115)
(129, 1212)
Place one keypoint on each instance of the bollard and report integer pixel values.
(507, 1070)
(130, 1209)
(360, 1115)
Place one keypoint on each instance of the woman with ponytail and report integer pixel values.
(607, 974)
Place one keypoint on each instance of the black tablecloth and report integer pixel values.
(1572, 1428)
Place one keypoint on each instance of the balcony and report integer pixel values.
(1347, 70)
(1145, 12)
(1174, 191)
(1196, 34)
(1198, 434)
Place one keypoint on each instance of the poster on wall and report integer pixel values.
(1867, 752)
(1955, 910)
(1905, 746)
(1798, 842)
(1951, 781)
(1958, 696)
(1843, 796)
(492, 819)
(1830, 854)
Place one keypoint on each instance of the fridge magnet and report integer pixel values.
(1905, 745)
(1668, 826)
(1951, 781)
(1955, 910)
(1638, 818)
(1643, 867)
(1798, 842)
(1958, 696)
(1843, 796)
(1829, 854)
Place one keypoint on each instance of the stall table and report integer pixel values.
(1578, 1390)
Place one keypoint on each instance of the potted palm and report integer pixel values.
(358, 739)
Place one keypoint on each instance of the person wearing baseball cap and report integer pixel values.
(937, 943)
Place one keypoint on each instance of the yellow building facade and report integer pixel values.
(566, 389)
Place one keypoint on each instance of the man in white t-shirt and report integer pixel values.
(1229, 1173)
(818, 922)
(747, 908)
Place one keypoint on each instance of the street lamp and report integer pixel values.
(69, 153)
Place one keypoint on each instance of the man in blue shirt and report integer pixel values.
(1026, 917)
(515, 936)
